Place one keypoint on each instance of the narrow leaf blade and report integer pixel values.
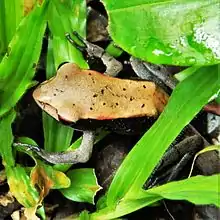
(200, 190)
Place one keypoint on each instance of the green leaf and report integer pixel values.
(200, 190)
(185, 102)
(21, 187)
(84, 215)
(83, 187)
(196, 190)
(64, 17)
(57, 137)
(11, 13)
(18, 65)
(177, 32)
(124, 207)
(6, 139)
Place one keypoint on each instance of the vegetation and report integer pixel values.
(151, 30)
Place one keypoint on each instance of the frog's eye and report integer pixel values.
(61, 64)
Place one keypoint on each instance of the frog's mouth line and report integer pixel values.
(49, 109)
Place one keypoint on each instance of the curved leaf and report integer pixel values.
(199, 190)
(83, 187)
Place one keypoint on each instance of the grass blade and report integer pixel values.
(18, 65)
(11, 13)
(195, 189)
(6, 139)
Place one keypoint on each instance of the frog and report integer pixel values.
(88, 100)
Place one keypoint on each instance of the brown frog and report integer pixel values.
(87, 100)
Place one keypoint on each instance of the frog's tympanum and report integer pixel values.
(81, 97)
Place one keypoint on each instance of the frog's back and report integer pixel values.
(85, 94)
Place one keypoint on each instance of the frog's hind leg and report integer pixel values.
(113, 66)
(80, 155)
(182, 152)
(152, 72)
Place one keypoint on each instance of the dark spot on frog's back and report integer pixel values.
(59, 90)
(102, 91)
(95, 95)
(142, 105)
(124, 89)
(144, 87)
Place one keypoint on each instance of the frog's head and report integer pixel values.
(53, 95)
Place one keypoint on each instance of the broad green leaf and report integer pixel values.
(6, 139)
(83, 187)
(21, 187)
(200, 190)
(185, 102)
(177, 32)
(18, 65)
(11, 13)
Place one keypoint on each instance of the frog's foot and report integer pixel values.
(80, 155)
(113, 66)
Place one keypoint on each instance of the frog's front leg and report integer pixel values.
(113, 66)
(81, 155)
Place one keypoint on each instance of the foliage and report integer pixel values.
(152, 39)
